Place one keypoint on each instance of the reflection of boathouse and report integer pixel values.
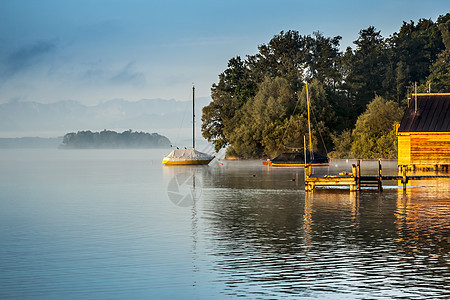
(424, 132)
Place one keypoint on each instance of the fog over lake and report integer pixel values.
(115, 224)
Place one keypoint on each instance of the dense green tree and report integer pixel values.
(444, 27)
(286, 135)
(323, 59)
(439, 78)
(276, 121)
(272, 104)
(111, 139)
(259, 104)
(234, 89)
(342, 144)
(284, 56)
(415, 48)
(366, 68)
(374, 134)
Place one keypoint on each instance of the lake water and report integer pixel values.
(99, 224)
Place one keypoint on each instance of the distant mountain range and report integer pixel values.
(171, 118)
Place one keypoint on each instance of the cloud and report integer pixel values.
(27, 56)
(127, 75)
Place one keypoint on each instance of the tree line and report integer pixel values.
(258, 106)
(108, 139)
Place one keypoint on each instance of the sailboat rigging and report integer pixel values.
(298, 159)
(188, 156)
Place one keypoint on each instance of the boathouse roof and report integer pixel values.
(432, 115)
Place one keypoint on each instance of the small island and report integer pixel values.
(108, 139)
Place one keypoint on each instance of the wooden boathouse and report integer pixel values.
(424, 133)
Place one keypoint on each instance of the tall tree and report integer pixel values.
(439, 78)
(322, 59)
(283, 56)
(374, 133)
(366, 68)
(444, 27)
(234, 89)
(260, 116)
(252, 107)
(416, 47)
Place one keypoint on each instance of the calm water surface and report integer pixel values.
(117, 224)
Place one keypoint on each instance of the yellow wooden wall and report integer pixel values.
(404, 149)
(425, 148)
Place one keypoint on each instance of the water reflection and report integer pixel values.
(335, 202)
(185, 183)
(423, 225)
(257, 231)
(101, 224)
(269, 239)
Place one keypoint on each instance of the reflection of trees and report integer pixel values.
(275, 237)
(185, 183)
(290, 242)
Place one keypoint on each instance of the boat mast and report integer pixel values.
(193, 117)
(309, 122)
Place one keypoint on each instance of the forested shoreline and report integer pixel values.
(258, 106)
(108, 139)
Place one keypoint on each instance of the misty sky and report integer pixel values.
(93, 51)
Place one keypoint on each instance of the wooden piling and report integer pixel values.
(380, 185)
(358, 175)
(404, 178)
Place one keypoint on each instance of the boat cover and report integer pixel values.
(188, 154)
(299, 158)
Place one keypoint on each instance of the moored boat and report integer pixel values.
(188, 156)
(297, 159)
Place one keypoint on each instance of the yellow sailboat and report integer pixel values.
(188, 156)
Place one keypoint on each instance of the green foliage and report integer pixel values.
(342, 145)
(444, 28)
(414, 48)
(259, 116)
(374, 134)
(258, 106)
(107, 139)
(235, 87)
(366, 67)
(285, 136)
(439, 77)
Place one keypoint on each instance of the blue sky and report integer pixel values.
(97, 50)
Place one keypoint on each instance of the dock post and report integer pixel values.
(404, 178)
(309, 186)
(355, 176)
(358, 175)
(380, 185)
(353, 186)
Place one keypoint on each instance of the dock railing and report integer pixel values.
(355, 179)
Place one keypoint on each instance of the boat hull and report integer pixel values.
(297, 160)
(185, 162)
(294, 165)
(187, 157)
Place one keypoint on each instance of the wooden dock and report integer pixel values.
(355, 179)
